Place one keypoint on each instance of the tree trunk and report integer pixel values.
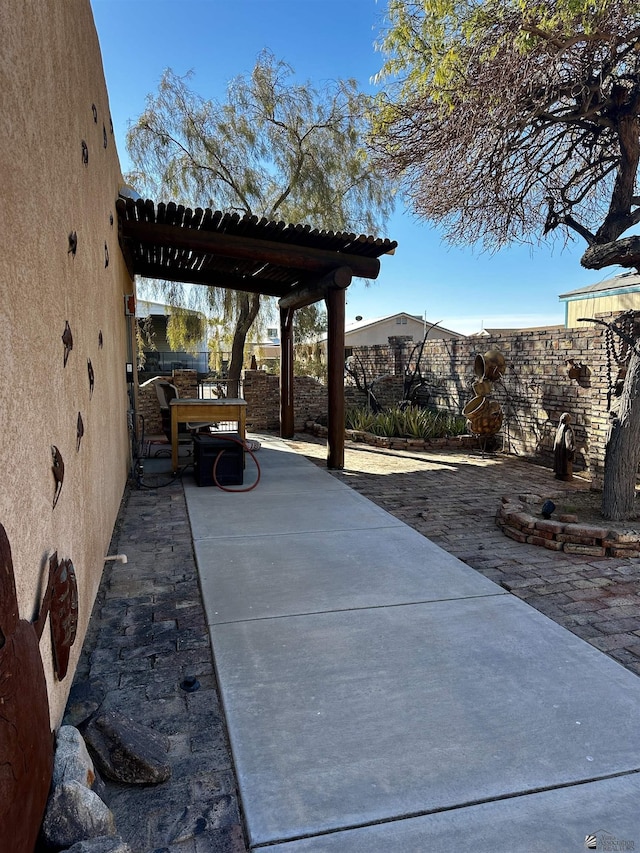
(249, 304)
(622, 452)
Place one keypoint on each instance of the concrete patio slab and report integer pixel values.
(368, 698)
(345, 719)
(282, 575)
(556, 821)
(262, 513)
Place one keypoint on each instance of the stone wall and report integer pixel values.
(262, 392)
(186, 381)
(534, 391)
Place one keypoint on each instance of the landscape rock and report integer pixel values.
(75, 813)
(72, 761)
(127, 751)
(84, 700)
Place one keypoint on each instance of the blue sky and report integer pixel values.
(463, 289)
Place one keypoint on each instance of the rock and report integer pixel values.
(127, 751)
(102, 844)
(74, 813)
(72, 761)
(84, 700)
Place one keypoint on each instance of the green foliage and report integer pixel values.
(185, 330)
(506, 119)
(406, 422)
(276, 148)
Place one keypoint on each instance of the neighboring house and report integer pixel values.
(617, 294)
(161, 358)
(377, 332)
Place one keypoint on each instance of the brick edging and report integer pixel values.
(454, 442)
(516, 518)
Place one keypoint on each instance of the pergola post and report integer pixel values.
(286, 373)
(336, 302)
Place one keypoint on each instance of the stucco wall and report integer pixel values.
(52, 77)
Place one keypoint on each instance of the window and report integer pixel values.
(401, 321)
(272, 332)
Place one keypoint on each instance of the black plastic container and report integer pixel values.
(206, 449)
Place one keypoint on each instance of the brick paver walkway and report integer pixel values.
(147, 632)
(452, 499)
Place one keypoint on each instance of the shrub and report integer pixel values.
(400, 422)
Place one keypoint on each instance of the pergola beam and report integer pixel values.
(306, 294)
(211, 278)
(246, 248)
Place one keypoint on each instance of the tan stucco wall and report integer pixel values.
(51, 72)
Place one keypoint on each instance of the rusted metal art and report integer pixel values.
(85, 153)
(67, 340)
(58, 472)
(73, 243)
(91, 377)
(63, 612)
(79, 431)
(26, 741)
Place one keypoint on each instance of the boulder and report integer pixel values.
(127, 751)
(74, 813)
(72, 761)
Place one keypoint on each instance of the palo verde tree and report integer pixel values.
(275, 148)
(511, 120)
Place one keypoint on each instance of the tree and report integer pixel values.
(511, 121)
(275, 149)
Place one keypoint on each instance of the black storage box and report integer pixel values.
(229, 471)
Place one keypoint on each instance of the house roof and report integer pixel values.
(628, 282)
(203, 246)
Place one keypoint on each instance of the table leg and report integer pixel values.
(174, 439)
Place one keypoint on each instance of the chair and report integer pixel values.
(166, 392)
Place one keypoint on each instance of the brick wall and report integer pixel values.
(262, 392)
(534, 391)
(186, 381)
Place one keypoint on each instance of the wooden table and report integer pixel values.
(204, 411)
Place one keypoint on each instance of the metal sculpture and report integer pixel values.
(26, 741)
(67, 340)
(58, 472)
(484, 416)
(91, 377)
(79, 431)
(63, 606)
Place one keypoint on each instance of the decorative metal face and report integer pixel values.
(63, 611)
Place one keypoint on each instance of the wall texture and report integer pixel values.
(52, 100)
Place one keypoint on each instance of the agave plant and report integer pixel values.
(401, 422)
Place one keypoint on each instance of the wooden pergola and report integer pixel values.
(294, 263)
